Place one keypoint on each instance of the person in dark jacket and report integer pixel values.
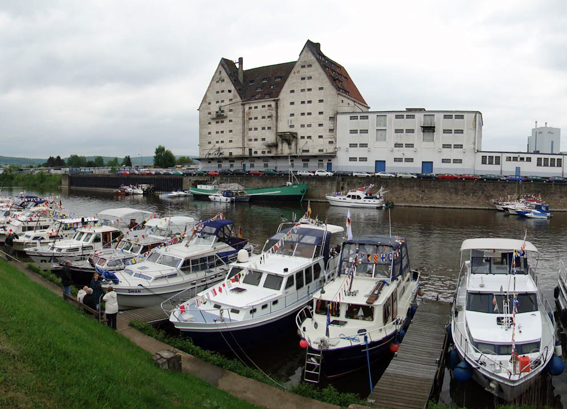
(97, 289)
(66, 279)
(88, 299)
(9, 243)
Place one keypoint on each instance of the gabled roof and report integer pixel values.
(267, 82)
(337, 74)
(259, 83)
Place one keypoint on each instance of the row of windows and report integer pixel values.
(453, 131)
(222, 91)
(255, 118)
(219, 132)
(401, 145)
(306, 78)
(292, 91)
(219, 102)
(358, 131)
(355, 159)
(263, 106)
(455, 146)
(518, 159)
(263, 128)
(407, 160)
(307, 102)
(409, 130)
(382, 118)
(358, 145)
(402, 131)
(449, 161)
(552, 162)
(306, 66)
(491, 160)
(264, 80)
(309, 114)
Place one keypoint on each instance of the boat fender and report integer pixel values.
(463, 372)
(401, 334)
(556, 366)
(556, 292)
(453, 359)
(558, 348)
(394, 346)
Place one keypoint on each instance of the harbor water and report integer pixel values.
(434, 237)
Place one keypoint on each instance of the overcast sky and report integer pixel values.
(118, 78)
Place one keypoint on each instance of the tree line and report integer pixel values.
(163, 158)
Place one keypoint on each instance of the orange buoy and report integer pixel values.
(394, 346)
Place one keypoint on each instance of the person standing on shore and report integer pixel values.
(111, 307)
(97, 289)
(9, 243)
(66, 279)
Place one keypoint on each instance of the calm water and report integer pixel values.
(434, 237)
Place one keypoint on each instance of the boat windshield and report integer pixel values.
(369, 260)
(334, 308)
(124, 245)
(204, 240)
(153, 257)
(506, 349)
(273, 282)
(360, 312)
(495, 262)
(170, 261)
(252, 278)
(87, 237)
(306, 248)
(233, 272)
(501, 303)
(79, 235)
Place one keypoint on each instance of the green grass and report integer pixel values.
(53, 355)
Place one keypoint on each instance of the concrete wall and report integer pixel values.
(415, 192)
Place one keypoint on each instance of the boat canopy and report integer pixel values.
(175, 223)
(222, 228)
(123, 213)
(497, 244)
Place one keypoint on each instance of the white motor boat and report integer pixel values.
(262, 295)
(60, 229)
(113, 223)
(502, 328)
(355, 318)
(192, 265)
(358, 198)
(219, 197)
(133, 248)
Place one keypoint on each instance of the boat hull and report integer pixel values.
(248, 335)
(291, 193)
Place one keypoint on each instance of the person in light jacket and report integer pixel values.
(111, 307)
(81, 294)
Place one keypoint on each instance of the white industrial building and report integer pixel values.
(545, 140)
(309, 114)
(414, 140)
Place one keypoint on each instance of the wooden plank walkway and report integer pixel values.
(148, 315)
(408, 381)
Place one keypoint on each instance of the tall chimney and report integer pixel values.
(240, 70)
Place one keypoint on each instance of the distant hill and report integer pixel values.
(7, 160)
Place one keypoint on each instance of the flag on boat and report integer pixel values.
(308, 210)
(495, 303)
(348, 226)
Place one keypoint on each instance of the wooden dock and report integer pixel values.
(408, 381)
(148, 315)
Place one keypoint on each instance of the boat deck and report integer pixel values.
(413, 372)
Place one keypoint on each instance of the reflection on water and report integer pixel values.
(434, 237)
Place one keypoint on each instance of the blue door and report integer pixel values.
(380, 166)
(244, 166)
(517, 171)
(329, 166)
(426, 167)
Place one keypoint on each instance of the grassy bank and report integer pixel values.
(53, 355)
(27, 180)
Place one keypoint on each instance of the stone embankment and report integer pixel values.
(477, 194)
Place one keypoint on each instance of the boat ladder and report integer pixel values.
(313, 366)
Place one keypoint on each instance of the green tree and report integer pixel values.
(127, 161)
(184, 160)
(113, 162)
(76, 161)
(163, 158)
(59, 161)
(99, 161)
(91, 163)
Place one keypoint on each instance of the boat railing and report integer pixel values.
(497, 367)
